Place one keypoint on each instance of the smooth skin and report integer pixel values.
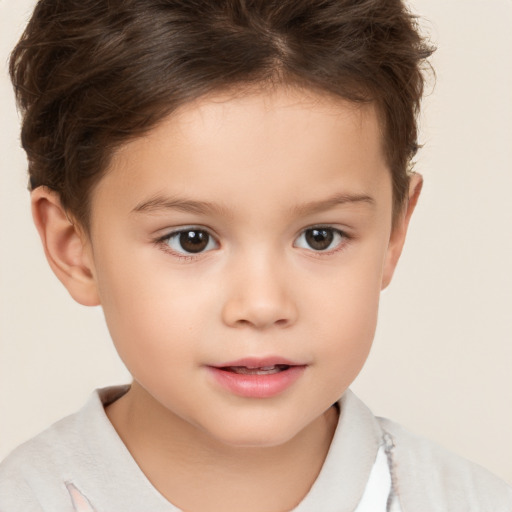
(253, 175)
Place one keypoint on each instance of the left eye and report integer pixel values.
(319, 239)
(191, 241)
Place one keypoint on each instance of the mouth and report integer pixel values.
(258, 365)
(257, 378)
(261, 370)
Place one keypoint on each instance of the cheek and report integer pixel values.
(346, 344)
(346, 316)
(350, 322)
(150, 316)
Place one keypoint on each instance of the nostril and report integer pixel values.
(283, 322)
(260, 310)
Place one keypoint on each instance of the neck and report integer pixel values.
(179, 459)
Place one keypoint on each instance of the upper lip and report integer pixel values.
(259, 362)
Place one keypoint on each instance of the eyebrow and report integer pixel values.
(160, 203)
(332, 202)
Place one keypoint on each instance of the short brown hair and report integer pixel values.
(90, 75)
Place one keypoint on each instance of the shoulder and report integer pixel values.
(429, 477)
(35, 475)
(32, 472)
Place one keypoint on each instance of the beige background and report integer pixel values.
(441, 364)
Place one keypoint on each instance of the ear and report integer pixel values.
(399, 231)
(66, 246)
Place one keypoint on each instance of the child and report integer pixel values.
(231, 181)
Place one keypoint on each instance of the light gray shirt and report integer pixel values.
(81, 465)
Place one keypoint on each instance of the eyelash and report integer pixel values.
(163, 241)
(343, 240)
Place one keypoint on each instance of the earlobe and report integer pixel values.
(397, 239)
(65, 246)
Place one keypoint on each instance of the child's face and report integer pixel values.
(247, 231)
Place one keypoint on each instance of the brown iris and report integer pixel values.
(319, 238)
(194, 240)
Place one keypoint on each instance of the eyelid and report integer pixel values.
(168, 232)
(345, 239)
(161, 241)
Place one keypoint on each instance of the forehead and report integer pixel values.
(235, 147)
(258, 115)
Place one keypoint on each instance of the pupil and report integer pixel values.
(319, 239)
(194, 241)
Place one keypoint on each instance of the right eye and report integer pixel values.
(190, 241)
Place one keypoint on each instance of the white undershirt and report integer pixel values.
(378, 488)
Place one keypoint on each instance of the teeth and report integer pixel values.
(264, 370)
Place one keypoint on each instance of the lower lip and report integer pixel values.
(257, 386)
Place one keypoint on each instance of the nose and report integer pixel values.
(259, 296)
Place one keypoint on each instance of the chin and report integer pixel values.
(263, 441)
(266, 435)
